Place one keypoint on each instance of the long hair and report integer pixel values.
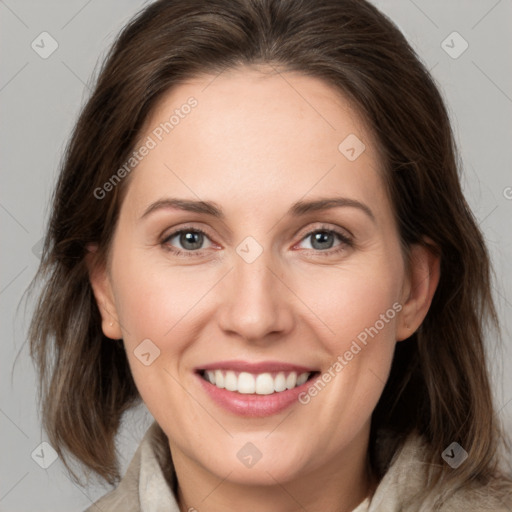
(439, 383)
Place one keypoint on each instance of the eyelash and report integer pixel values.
(344, 239)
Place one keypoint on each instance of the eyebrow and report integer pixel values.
(297, 209)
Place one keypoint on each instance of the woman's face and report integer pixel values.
(256, 241)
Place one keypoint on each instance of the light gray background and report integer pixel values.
(40, 99)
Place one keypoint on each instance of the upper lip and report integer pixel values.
(261, 367)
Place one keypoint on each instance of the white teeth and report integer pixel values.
(291, 380)
(303, 377)
(280, 382)
(219, 379)
(264, 384)
(230, 382)
(246, 383)
(260, 384)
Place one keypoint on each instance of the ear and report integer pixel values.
(419, 288)
(102, 289)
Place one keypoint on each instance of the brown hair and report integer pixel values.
(439, 383)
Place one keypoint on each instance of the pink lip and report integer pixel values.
(253, 405)
(262, 367)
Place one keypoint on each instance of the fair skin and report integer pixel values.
(255, 146)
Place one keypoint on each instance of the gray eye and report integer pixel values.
(322, 240)
(188, 240)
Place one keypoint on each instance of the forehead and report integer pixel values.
(257, 131)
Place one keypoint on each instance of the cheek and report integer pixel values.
(351, 301)
(149, 310)
(357, 307)
(165, 305)
(157, 308)
(152, 298)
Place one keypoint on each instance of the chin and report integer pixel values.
(259, 462)
(261, 474)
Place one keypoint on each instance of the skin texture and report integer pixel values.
(254, 145)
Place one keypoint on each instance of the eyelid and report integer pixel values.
(164, 238)
(345, 241)
(322, 224)
(170, 232)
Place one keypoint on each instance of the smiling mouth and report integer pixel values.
(266, 383)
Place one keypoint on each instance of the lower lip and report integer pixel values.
(252, 405)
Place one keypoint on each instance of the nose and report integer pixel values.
(256, 304)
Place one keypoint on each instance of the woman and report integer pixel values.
(259, 232)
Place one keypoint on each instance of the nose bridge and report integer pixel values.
(256, 303)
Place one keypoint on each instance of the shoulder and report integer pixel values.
(148, 481)
(477, 499)
(126, 495)
(407, 476)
